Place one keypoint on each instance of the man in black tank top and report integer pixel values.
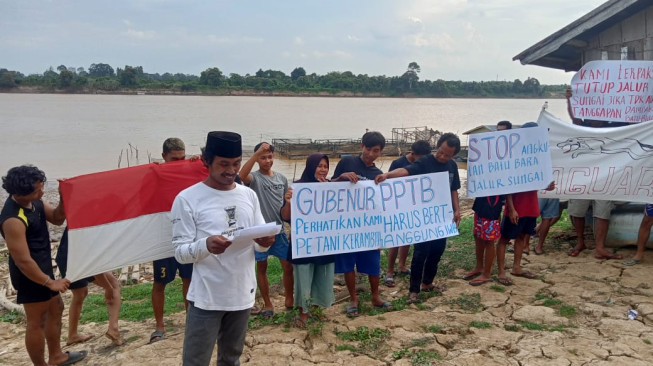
(24, 227)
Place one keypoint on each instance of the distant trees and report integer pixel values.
(212, 77)
(7, 79)
(297, 73)
(65, 78)
(101, 76)
(99, 70)
(411, 74)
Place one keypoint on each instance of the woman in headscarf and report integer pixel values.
(314, 275)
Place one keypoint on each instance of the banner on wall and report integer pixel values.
(600, 163)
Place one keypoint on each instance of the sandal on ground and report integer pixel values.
(299, 323)
(631, 262)
(74, 357)
(384, 305)
(116, 340)
(413, 299)
(267, 314)
(405, 272)
(81, 339)
(609, 256)
(157, 335)
(506, 281)
(352, 312)
(526, 274)
(256, 310)
(434, 288)
(471, 275)
(478, 281)
(538, 253)
(389, 282)
(575, 252)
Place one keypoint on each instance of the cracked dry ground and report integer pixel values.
(575, 313)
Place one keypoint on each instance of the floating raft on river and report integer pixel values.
(398, 144)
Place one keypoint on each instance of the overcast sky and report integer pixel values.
(449, 39)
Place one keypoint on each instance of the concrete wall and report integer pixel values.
(635, 32)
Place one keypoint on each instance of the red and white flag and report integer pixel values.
(122, 217)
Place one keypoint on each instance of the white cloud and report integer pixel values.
(415, 20)
(298, 41)
(353, 38)
(443, 41)
(139, 35)
(233, 39)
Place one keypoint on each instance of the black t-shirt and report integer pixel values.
(428, 164)
(355, 164)
(36, 234)
(402, 162)
(489, 207)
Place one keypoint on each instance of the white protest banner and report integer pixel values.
(508, 161)
(613, 90)
(342, 217)
(600, 163)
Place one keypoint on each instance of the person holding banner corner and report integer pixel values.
(426, 255)
(417, 150)
(353, 169)
(601, 209)
(313, 275)
(23, 224)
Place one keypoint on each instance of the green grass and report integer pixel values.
(543, 327)
(468, 302)
(368, 341)
(417, 357)
(480, 325)
(567, 311)
(13, 317)
(136, 303)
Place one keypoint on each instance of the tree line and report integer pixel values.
(102, 77)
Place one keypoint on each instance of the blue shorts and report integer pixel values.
(648, 209)
(367, 262)
(165, 270)
(525, 225)
(279, 249)
(549, 207)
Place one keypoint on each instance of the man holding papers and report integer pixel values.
(205, 218)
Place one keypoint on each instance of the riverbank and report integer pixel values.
(254, 93)
(573, 313)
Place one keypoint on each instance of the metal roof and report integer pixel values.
(563, 49)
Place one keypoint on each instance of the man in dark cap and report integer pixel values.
(204, 218)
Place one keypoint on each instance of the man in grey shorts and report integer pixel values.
(601, 213)
(600, 209)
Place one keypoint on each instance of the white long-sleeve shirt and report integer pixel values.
(224, 281)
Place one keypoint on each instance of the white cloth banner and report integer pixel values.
(600, 163)
(508, 161)
(613, 90)
(342, 217)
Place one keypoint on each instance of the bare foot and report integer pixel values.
(115, 338)
(78, 338)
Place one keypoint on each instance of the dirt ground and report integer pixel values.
(574, 313)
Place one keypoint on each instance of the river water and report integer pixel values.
(70, 135)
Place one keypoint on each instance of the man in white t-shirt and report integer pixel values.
(223, 286)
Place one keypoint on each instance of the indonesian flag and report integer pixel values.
(122, 217)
